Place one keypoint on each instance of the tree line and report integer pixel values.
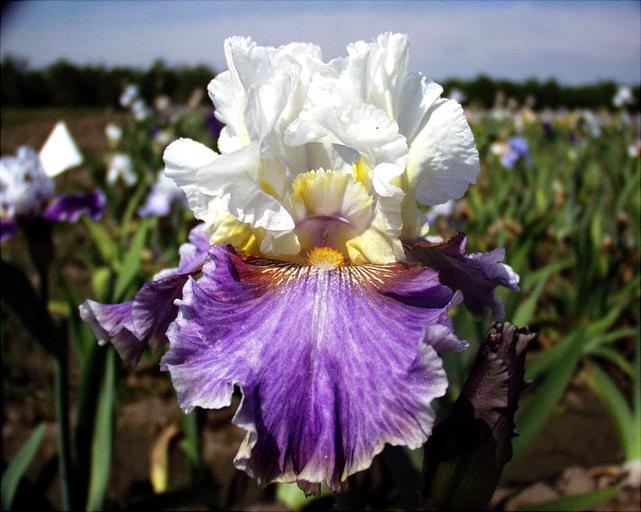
(63, 84)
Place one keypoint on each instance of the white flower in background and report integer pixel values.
(121, 166)
(162, 102)
(24, 185)
(139, 110)
(59, 151)
(113, 132)
(592, 122)
(623, 97)
(25, 179)
(129, 95)
(634, 149)
(315, 152)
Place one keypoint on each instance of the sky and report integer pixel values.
(573, 42)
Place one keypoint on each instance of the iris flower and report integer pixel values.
(307, 286)
(27, 190)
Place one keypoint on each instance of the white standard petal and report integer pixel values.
(361, 127)
(443, 158)
(184, 158)
(263, 89)
(59, 152)
(417, 95)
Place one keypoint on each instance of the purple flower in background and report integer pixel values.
(69, 208)
(161, 198)
(518, 149)
(308, 286)
(27, 189)
(510, 153)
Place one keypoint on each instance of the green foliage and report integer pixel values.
(18, 466)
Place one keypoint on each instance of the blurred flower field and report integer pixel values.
(558, 189)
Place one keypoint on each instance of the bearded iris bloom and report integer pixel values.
(308, 285)
(27, 190)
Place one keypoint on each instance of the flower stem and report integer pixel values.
(64, 431)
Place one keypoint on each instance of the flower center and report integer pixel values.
(325, 258)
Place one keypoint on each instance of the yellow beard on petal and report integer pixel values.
(325, 258)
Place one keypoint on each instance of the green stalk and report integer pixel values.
(41, 251)
(64, 429)
(191, 444)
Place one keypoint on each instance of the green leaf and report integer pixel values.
(542, 274)
(615, 358)
(541, 406)
(132, 206)
(615, 403)
(131, 263)
(18, 466)
(635, 449)
(579, 502)
(102, 446)
(100, 281)
(549, 357)
(525, 311)
(598, 341)
(106, 246)
(292, 496)
(79, 331)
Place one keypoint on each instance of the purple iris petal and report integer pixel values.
(476, 275)
(69, 208)
(332, 364)
(8, 228)
(134, 325)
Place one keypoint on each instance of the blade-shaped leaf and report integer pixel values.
(131, 262)
(101, 449)
(18, 466)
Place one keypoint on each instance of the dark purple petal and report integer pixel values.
(8, 228)
(134, 325)
(69, 208)
(476, 275)
(332, 364)
(465, 456)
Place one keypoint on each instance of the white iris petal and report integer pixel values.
(383, 132)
